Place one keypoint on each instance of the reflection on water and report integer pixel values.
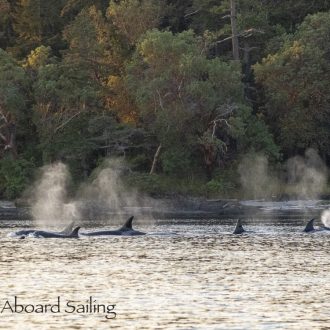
(287, 205)
(201, 278)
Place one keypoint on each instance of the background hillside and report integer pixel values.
(188, 93)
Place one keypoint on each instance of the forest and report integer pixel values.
(181, 91)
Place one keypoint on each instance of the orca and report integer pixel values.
(310, 226)
(125, 230)
(22, 233)
(311, 229)
(49, 234)
(239, 228)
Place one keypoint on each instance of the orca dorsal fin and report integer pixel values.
(75, 232)
(68, 229)
(310, 226)
(239, 228)
(128, 224)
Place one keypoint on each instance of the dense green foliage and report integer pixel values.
(154, 82)
(297, 83)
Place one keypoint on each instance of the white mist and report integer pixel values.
(307, 175)
(325, 218)
(50, 206)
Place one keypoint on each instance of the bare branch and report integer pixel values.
(226, 109)
(154, 162)
(224, 40)
(216, 123)
(67, 121)
(160, 100)
(244, 34)
(192, 13)
(3, 116)
(3, 137)
(254, 30)
(249, 49)
(180, 85)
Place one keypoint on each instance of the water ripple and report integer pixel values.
(201, 278)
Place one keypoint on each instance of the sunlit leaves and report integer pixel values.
(134, 17)
(38, 57)
(296, 80)
(183, 97)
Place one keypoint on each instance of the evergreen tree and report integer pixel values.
(296, 81)
(13, 106)
(36, 23)
(185, 99)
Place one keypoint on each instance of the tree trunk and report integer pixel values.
(247, 59)
(234, 32)
(154, 163)
(8, 138)
(12, 139)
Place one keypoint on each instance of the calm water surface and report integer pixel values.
(201, 278)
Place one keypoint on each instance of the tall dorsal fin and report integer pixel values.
(310, 226)
(74, 233)
(239, 228)
(128, 224)
(68, 229)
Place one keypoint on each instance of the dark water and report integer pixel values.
(201, 278)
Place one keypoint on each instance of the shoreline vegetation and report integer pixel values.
(210, 99)
(159, 187)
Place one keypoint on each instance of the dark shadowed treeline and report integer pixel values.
(182, 90)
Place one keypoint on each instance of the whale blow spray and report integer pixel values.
(107, 191)
(307, 175)
(325, 218)
(50, 206)
(255, 176)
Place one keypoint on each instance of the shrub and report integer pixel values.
(15, 175)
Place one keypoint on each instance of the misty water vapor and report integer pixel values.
(325, 218)
(307, 175)
(256, 180)
(105, 196)
(107, 191)
(50, 203)
(304, 177)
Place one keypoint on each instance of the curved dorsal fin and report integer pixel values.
(75, 232)
(239, 228)
(310, 226)
(128, 224)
